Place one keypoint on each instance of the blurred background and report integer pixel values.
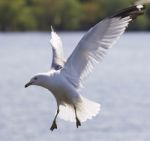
(22, 15)
(121, 83)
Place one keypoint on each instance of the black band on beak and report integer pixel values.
(28, 84)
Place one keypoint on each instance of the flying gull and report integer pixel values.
(65, 77)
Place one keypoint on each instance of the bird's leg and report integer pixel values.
(54, 125)
(78, 123)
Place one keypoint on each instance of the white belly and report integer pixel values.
(62, 90)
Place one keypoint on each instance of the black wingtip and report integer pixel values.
(132, 11)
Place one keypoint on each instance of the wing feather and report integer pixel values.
(57, 49)
(94, 44)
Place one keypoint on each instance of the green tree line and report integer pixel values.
(22, 15)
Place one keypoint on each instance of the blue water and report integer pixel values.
(121, 83)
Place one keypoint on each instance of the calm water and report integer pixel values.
(121, 83)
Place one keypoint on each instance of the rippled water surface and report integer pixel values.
(121, 83)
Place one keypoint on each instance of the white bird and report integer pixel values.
(65, 78)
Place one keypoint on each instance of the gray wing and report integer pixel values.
(95, 43)
(57, 49)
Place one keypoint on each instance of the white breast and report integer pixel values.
(62, 90)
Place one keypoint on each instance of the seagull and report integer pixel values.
(65, 77)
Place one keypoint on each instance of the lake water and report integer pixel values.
(121, 83)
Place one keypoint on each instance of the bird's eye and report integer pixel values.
(35, 78)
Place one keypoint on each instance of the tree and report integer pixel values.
(63, 14)
(15, 15)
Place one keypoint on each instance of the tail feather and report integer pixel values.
(66, 112)
(86, 109)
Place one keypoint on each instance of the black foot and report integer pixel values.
(78, 123)
(54, 126)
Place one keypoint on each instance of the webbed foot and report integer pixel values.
(54, 126)
(78, 123)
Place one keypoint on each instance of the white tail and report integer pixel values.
(86, 109)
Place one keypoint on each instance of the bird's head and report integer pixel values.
(38, 80)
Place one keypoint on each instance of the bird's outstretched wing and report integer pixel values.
(57, 48)
(94, 44)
